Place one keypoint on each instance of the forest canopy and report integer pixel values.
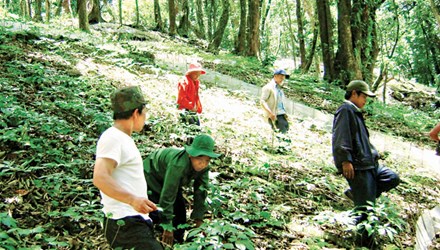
(373, 40)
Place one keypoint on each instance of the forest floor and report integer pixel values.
(287, 193)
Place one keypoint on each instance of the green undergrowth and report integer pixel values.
(263, 194)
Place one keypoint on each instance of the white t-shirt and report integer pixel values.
(129, 172)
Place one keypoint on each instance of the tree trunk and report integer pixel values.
(82, 16)
(120, 11)
(346, 61)
(200, 30)
(211, 10)
(266, 13)
(254, 28)
(384, 66)
(95, 13)
(435, 11)
(218, 34)
(309, 60)
(302, 45)
(241, 37)
(172, 15)
(38, 7)
(29, 8)
(48, 10)
(137, 13)
(326, 35)
(64, 4)
(24, 9)
(184, 25)
(265, 39)
(157, 16)
(364, 35)
(289, 24)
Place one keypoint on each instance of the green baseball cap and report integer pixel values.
(361, 86)
(126, 99)
(202, 145)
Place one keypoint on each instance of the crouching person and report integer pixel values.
(167, 170)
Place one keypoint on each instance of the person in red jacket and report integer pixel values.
(188, 94)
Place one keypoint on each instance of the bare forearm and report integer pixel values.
(112, 189)
(435, 132)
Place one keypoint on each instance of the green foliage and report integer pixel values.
(52, 113)
(383, 220)
(219, 234)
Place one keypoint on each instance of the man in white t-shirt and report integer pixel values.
(119, 175)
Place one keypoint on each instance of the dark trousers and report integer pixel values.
(132, 232)
(367, 185)
(281, 124)
(190, 117)
(179, 213)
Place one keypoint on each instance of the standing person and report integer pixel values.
(434, 135)
(355, 157)
(272, 102)
(118, 174)
(167, 171)
(188, 98)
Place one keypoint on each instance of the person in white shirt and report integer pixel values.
(118, 174)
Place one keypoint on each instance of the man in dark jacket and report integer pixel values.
(355, 157)
(167, 170)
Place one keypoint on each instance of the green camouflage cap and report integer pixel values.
(127, 98)
(361, 86)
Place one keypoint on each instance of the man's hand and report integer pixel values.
(143, 205)
(272, 116)
(348, 170)
(168, 237)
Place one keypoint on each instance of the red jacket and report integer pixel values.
(188, 94)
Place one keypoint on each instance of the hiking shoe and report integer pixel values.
(349, 194)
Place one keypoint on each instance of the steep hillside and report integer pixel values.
(265, 194)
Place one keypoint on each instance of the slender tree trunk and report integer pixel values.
(38, 7)
(95, 13)
(218, 35)
(211, 15)
(241, 37)
(24, 9)
(302, 45)
(29, 7)
(157, 16)
(309, 60)
(326, 35)
(200, 30)
(289, 24)
(435, 11)
(82, 16)
(137, 13)
(266, 13)
(120, 11)
(254, 28)
(64, 4)
(48, 10)
(172, 15)
(184, 25)
(348, 65)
